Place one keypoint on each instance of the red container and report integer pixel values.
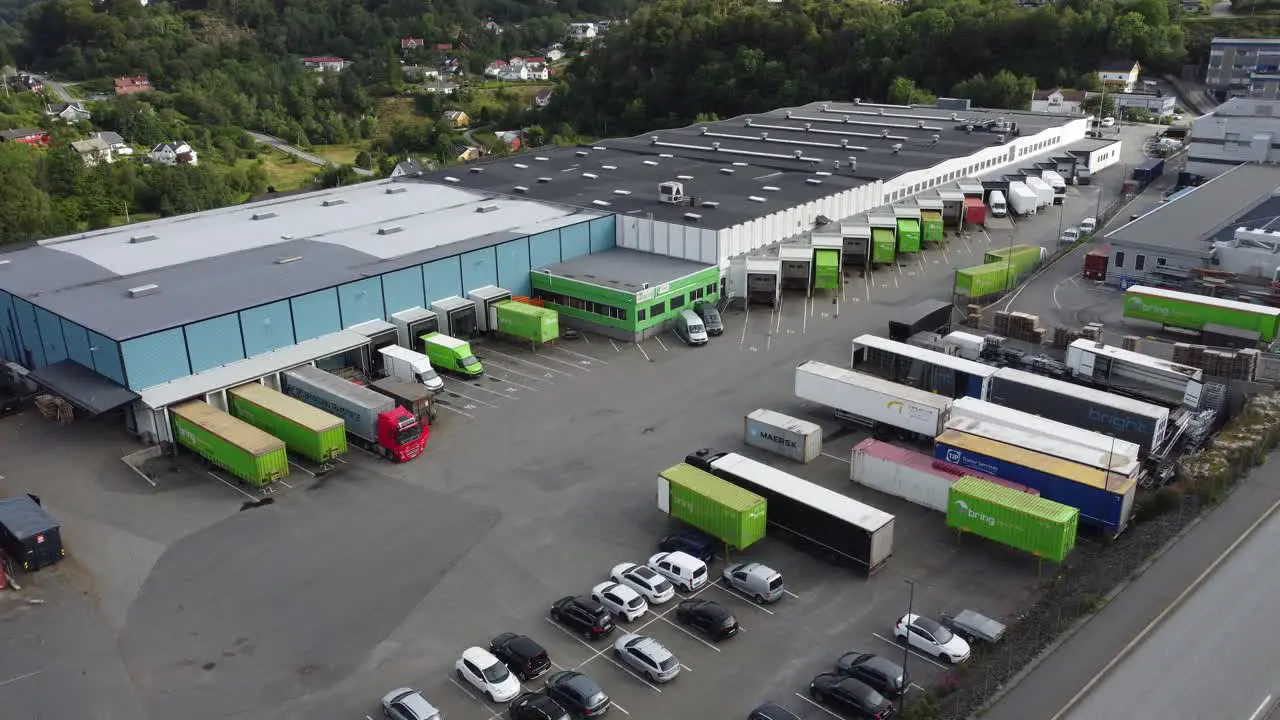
(975, 213)
(1095, 264)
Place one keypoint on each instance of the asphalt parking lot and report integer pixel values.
(538, 478)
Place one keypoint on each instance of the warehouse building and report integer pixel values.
(1240, 130)
(159, 312)
(1165, 246)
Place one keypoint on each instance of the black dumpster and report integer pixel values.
(28, 534)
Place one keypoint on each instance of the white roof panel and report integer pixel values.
(976, 369)
(815, 496)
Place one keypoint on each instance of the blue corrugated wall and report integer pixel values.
(479, 268)
(403, 289)
(544, 249)
(8, 330)
(264, 328)
(575, 241)
(604, 233)
(443, 278)
(77, 343)
(513, 266)
(108, 358)
(156, 358)
(361, 301)
(215, 342)
(28, 334)
(316, 314)
(51, 341)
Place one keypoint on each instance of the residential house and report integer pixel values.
(325, 64)
(535, 68)
(468, 153)
(93, 151)
(1244, 66)
(456, 118)
(555, 53)
(513, 139)
(26, 136)
(496, 68)
(174, 153)
(1059, 101)
(441, 87)
(31, 83)
(582, 31)
(491, 26)
(514, 73)
(411, 43)
(1120, 75)
(71, 112)
(132, 85)
(420, 72)
(119, 148)
(443, 47)
(407, 168)
(543, 98)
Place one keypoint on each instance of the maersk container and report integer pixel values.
(981, 281)
(794, 439)
(909, 475)
(305, 430)
(716, 507)
(233, 445)
(1193, 312)
(1056, 479)
(1036, 525)
(528, 322)
(858, 396)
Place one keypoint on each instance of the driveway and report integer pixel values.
(299, 153)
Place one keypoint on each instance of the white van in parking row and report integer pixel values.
(690, 328)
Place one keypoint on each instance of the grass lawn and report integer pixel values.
(340, 154)
(285, 172)
(524, 91)
(394, 111)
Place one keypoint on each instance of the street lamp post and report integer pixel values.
(906, 645)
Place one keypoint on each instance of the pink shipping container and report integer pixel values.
(912, 476)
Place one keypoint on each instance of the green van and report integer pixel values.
(450, 353)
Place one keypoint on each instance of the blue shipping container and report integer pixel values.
(975, 387)
(1097, 507)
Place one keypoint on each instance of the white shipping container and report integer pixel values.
(1043, 191)
(1123, 453)
(1136, 372)
(1022, 199)
(967, 345)
(1051, 446)
(794, 439)
(873, 398)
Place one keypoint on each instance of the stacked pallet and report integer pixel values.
(1062, 337)
(973, 315)
(1020, 326)
(1233, 364)
(55, 408)
(1092, 331)
(1130, 343)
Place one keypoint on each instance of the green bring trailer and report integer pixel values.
(1193, 312)
(908, 235)
(1011, 517)
(883, 245)
(1021, 258)
(528, 322)
(931, 222)
(982, 280)
(714, 506)
(308, 431)
(233, 445)
(826, 269)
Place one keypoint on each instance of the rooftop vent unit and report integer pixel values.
(541, 158)
(920, 124)
(740, 164)
(621, 192)
(710, 204)
(287, 260)
(770, 188)
(5, 262)
(824, 173)
(487, 208)
(143, 290)
(600, 203)
(451, 179)
(747, 123)
(788, 115)
(881, 111)
(599, 147)
(544, 179)
(590, 176)
(808, 127)
(999, 139)
(264, 215)
(857, 101)
(609, 167)
(520, 189)
(522, 166)
(581, 153)
(935, 139)
(884, 133)
(726, 171)
(685, 178)
(704, 129)
(665, 155)
(813, 181)
(476, 170)
(390, 230)
(142, 239)
(826, 107)
(651, 163)
(764, 136)
(671, 193)
(755, 198)
(692, 217)
(392, 191)
(897, 148)
(335, 203)
(653, 140)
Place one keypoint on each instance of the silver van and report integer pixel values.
(755, 580)
(690, 329)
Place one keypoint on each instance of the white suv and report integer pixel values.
(683, 570)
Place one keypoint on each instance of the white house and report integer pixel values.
(554, 53)
(582, 31)
(1059, 101)
(325, 64)
(514, 72)
(93, 151)
(1120, 74)
(71, 112)
(119, 148)
(496, 68)
(174, 153)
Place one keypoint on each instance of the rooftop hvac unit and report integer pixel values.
(143, 290)
(671, 192)
(487, 208)
(476, 170)
(694, 217)
(391, 191)
(142, 238)
(522, 166)
(333, 203)
(897, 148)
(264, 215)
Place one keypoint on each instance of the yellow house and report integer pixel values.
(470, 154)
(456, 118)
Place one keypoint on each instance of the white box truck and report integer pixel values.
(996, 202)
(1022, 200)
(871, 400)
(1058, 183)
(1043, 191)
(405, 364)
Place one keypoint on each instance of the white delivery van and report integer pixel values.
(405, 364)
(997, 204)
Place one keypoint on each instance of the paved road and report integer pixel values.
(299, 153)
(1225, 668)
(1050, 685)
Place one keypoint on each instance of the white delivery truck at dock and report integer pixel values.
(405, 364)
(1022, 199)
(1043, 191)
(873, 401)
(1058, 183)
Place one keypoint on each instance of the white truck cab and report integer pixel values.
(405, 364)
(997, 204)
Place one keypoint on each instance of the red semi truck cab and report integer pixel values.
(401, 435)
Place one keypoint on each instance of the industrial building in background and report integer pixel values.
(1244, 66)
(1241, 130)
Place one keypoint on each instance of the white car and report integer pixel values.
(620, 600)
(487, 674)
(683, 570)
(1108, 122)
(648, 583)
(1088, 225)
(930, 638)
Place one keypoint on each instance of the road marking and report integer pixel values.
(1055, 290)
(1177, 601)
(555, 665)
(530, 362)
(476, 386)
(804, 326)
(945, 256)
(287, 484)
(778, 325)
(686, 667)
(513, 371)
(1257, 713)
(624, 710)
(686, 632)
(344, 462)
(513, 382)
(366, 452)
(921, 263)
(661, 344)
(913, 685)
(833, 457)
(583, 335)
(642, 352)
(615, 345)
(791, 593)
(734, 592)
(866, 278)
(582, 642)
(291, 463)
(450, 408)
(634, 674)
(913, 651)
(464, 689)
(468, 397)
(811, 702)
(580, 364)
(233, 487)
(745, 321)
(19, 678)
(574, 352)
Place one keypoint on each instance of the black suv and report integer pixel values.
(534, 706)
(689, 543)
(883, 674)
(710, 617)
(583, 615)
(526, 658)
(850, 696)
(772, 711)
(578, 693)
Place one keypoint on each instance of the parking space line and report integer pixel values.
(624, 710)
(635, 675)
(791, 593)
(502, 366)
(615, 345)
(833, 457)
(509, 381)
(529, 362)
(686, 632)
(287, 484)
(366, 452)
(734, 592)
(233, 487)
(575, 637)
(921, 264)
(481, 388)
(581, 355)
(745, 321)
(811, 702)
(866, 278)
(344, 462)
(913, 651)
(686, 667)
(468, 397)
(664, 347)
(580, 365)
(450, 408)
(464, 689)
(913, 685)
(642, 352)
(555, 665)
(804, 324)
(291, 463)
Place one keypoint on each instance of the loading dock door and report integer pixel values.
(486, 300)
(763, 287)
(461, 322)
(796, 275)
(422, 326)
(856, 250)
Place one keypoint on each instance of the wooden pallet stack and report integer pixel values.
(1092, 331)
(55, 408)
(973, 315)
(1130, 343)
(1020, 326)
(1233, 364)
(1062, 337)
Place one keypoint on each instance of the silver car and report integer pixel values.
(755, 580)
(647, 657)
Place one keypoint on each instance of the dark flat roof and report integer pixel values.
(83, 387)
(625, 270)
(728, 163)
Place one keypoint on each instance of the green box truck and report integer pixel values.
(1186, 310)
(931, 222)
(884, 246)
(310, 432)
(450, 353)
(714, 506)
(982, 280)
(1022, 258)
(908, 235)
(528, 322)
(233, 445)
(1024, 522)
(826, 269)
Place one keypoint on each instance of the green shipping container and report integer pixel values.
(982, 280)
(1194, 312)
(931, 221)
(908, 235)
(714, 506)
(1023, 258)
(233, 445)
(883, 245)
(528, 322)
(1024, 522)
(307, 431)
(826, 269)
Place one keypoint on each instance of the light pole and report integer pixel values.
(906, 646)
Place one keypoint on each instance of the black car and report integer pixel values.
(882, 674)
(711, 618)
(577, 693)
(689, 543)
(536, 706)
(850, 696)
(583, 615)
(772, 711)
(710, 318)
(526, 658)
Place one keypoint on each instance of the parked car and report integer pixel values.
(526, 658)
(887, 677)
(709, 617)
(849, 696)
(690, 543)
(625, 603)
(577, 693)
(931, 638)
(408, 704)
(487, 674)
(1088, 225)
(710, 318)
(755, 580)
(584, 615)
(683, 570)
(655, 588)
(772, 711)
(536, 706)
(647, 657)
